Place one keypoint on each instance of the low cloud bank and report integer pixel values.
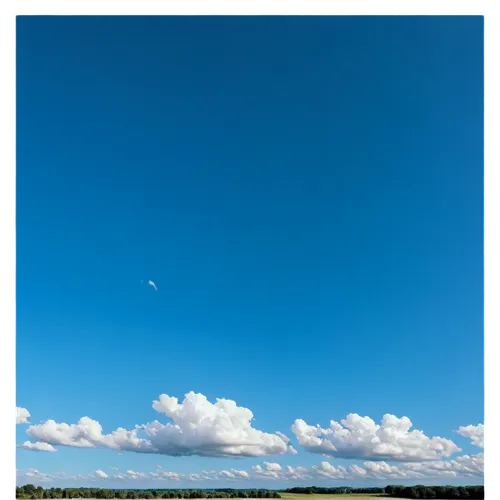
(464, 466)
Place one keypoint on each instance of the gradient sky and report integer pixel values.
(307, 195)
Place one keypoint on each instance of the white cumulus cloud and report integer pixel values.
(474, 432)
(361, 437)
(212, 429)
(22, 415)
(272, 466)
(328, 470)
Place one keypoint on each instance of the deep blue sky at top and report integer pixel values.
(305, 192)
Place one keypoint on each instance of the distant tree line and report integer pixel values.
(337, 490)
(31, 491)
(444, 492)
(419, 491)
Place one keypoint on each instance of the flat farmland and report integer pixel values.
(355, 496)
(298, 496)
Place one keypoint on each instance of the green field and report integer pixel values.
(355, 496)
(298, 496)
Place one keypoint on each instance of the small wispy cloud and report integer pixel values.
(101, 474)
(38, 446)
(152, 284)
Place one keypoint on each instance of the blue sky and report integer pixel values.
(307, 195)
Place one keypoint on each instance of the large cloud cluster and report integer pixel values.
(361, 437)
(198, 427)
